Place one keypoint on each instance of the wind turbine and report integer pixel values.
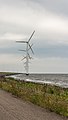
(27, 57)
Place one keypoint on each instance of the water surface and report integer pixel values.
(56, 79)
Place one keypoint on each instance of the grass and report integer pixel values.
(51, 97)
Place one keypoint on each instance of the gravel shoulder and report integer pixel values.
(12, 108)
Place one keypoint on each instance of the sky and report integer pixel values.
(49, 19)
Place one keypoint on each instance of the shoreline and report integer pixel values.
(36, 80)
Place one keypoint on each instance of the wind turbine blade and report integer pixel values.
(29, 56)
(23, 50)
(31, 46)
(24, 58)
(21, 41)
(31, 36)
(31, 49)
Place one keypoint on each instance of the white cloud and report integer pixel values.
(11, 36)
(18, 19)
(8, 59)
(49, 65)
(48, 25)
(10, 62)
(46, 65)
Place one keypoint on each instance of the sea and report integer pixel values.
(53, 79)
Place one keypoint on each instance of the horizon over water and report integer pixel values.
(58, 79)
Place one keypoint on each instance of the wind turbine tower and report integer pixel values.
(27, 57)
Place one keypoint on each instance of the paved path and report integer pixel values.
(12, 108)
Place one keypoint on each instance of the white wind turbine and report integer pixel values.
(27, 57)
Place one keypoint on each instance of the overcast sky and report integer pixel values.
(49, 19)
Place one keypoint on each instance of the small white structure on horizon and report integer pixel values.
(27, 57)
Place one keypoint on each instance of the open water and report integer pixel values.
(54, 79)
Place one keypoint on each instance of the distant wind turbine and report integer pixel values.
(27, 57)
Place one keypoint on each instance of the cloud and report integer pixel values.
(10, 62)
(49, 65)
(11, 36)
(49, 26)
(58, 51)
(18, 19)
(57, 7)
(46, 65)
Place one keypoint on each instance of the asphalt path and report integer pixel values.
(13, 108)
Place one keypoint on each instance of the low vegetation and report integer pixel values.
(51, 97)
(3, 74)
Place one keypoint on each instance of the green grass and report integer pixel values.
(51, 97)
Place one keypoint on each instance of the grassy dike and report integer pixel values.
(51, 97)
